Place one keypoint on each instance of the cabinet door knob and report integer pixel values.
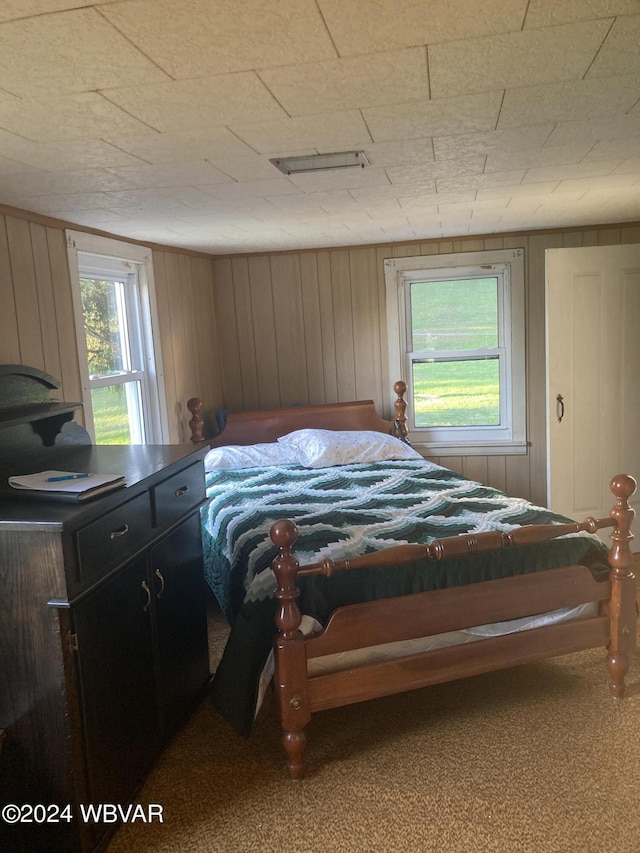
(145, 587)
(181, 491)
(158, 574)
(119, 532)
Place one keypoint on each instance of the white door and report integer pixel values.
(593, 376)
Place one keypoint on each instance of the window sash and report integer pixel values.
(506, 265)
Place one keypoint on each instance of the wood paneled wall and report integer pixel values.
(190, 354)
(37, 325)
(261, 331)
(310, 327)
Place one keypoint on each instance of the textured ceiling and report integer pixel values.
(155, 119)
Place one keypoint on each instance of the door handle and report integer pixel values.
(559, 407)
(158, 574)
(145, 587)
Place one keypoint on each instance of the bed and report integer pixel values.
(368, 575)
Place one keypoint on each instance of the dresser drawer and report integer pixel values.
(113, 539)
(175, 496)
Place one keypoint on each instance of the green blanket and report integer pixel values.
(342, 512)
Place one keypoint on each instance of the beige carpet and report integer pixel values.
(537, 759)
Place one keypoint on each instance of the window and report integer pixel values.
(456, 337)
(119, 361)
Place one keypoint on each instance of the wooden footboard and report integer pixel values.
(425, 614)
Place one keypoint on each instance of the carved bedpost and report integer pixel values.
(196, 424)
(290, 657)
(400, 406)
(623, 607)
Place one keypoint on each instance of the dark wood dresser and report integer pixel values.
(103, 633)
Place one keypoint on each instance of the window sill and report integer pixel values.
(502, 448)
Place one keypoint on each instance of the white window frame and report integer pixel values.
(508, 264)
(116, 259)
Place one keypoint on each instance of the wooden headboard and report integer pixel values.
(255, 427)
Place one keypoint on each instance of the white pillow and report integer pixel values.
(324, 448)
(236, 456)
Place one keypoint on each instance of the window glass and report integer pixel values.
(114, 358)
(104, 326)
(459, 314)
(456, 393)
(117, 414)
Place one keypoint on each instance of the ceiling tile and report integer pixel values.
(381, 195)
(181, 174)
(570, 172)
(460, 183)
(580, 100)
(74, 51)
(629, 166)
(430, 171)
(346, 84)
(360, 26)
(320, 203)
(546, 13)
(276, 187)
(556, 155)
(326, 133)
(454, 147)
(56, 183)
(351, 178)
(68, 156)
(617, 127)
(15, 175)
(200, 38)
(516, 59)
(399, 152)
(81, 116)
(207, 143)
(434, 118)
(50, 204)
(252, 167)
(12, 9)
(162, 198)
(620, 54)
(614, 149)
(207, 101)
(608, 182)
(516, 190)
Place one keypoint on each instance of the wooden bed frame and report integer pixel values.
(425, 614)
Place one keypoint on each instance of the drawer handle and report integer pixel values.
(182, 491)
(119, 532)
(160, 577)
(145, 587)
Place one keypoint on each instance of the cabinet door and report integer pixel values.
(181, 620)
(117, 682)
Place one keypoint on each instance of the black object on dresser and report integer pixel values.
(103, 634)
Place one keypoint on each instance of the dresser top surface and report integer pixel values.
(143, 466)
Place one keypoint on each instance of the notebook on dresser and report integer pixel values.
(71, 486)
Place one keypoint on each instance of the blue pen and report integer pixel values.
(67, 477)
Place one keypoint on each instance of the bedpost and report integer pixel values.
(196, 424)
(400, 406)
(290, 657)
(623, 607)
